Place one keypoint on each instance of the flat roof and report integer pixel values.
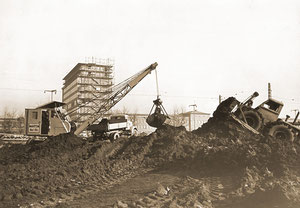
(275, 101)
(72, 71)
(194, 112)
(53, 104)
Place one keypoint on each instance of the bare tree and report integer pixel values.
(133, 116)
(20, 124)
(177, 117)
(124, 110)
(8, 122)
(12, 122)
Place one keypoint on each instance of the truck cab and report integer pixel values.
(120, 122)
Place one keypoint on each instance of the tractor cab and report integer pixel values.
(270, 110)
(46, 120)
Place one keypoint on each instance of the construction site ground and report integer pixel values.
(221, 165)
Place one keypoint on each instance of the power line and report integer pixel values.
(290, 100)
(18, 89)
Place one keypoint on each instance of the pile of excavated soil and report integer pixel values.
(33, 171)
(270, 170)
(264, 169)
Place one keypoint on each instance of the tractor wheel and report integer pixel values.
(280, 131)
(114, 136)
(253, 119)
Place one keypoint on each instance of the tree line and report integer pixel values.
(11, 122)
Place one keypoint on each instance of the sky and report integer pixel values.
(204, 48)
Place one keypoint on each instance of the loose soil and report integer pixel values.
(221, 165)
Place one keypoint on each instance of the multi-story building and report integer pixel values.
(85, 86)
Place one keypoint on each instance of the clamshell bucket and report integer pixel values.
(158, 118)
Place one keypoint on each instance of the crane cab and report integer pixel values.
(46, 120)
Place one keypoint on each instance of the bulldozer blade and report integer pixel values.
(156, 120)
(245, 125)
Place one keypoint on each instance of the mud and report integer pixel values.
(218, 165)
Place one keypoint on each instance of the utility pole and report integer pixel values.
(194, 107)
(220, 99)
(51, 91)
(269, 91)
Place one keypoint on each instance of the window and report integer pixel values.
(73, 103)
(35, 115)
(271, 105)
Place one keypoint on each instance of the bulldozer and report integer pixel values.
(263, 119)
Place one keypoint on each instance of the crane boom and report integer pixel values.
(116, 93)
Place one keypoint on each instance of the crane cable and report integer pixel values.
(157, 89)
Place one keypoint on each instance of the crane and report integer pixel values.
(50, 120)
(114, 95)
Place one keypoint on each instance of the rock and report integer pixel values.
(148, 200)
(120, 204)
(160, 190)
(173, 204)
(52, 199)
(7, 197)
(37, 192)
(18, 195)
(61, 173)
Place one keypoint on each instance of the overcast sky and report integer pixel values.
(204, 48)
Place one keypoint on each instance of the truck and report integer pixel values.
(263, 119)
(113, 128)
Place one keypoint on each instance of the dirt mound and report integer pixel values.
(40, 169)
(65, 165)
(265, 165)
(53, 146)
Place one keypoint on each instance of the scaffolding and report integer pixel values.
(99, 61)
(87, 83)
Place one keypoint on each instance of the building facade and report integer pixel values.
(139, 120)
(85, 86)
(12, 125)
(192, 120)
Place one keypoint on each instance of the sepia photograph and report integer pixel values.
(150, 104)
